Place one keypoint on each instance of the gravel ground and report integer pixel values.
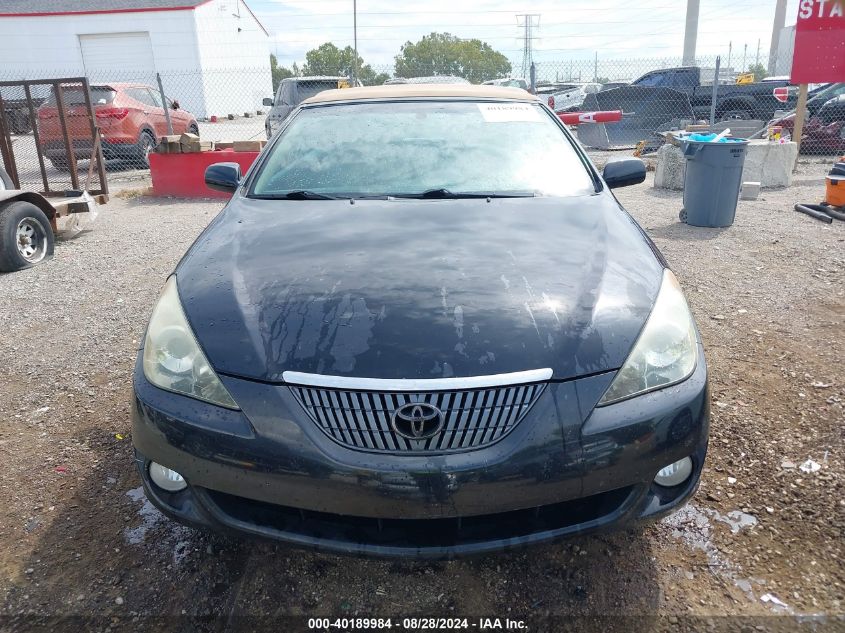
(760, 545)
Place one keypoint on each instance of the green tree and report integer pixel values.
(278, 72)
(759, 71)
(328, 59)
(445, 54)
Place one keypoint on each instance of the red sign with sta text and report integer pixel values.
(819, 42)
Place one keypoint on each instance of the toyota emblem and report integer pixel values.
(417, 420)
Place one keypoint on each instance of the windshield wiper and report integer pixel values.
(304, 194)
(300, 194)
(445, 194)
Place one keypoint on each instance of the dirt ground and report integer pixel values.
(760, 547)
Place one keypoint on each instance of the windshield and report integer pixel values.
(395, 148)
(307, 89)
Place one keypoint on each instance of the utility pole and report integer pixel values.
(777, 27)
(527, 22)
(355, 39)
(596, 67)
(690, 33)
(744, 53)
(757, 59)
(730, 48)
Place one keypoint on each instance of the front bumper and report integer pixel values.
(566, 468)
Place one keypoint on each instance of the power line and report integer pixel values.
(323, 27)
(527, 22)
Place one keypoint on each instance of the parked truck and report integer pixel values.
(16, 110)
(733, 101)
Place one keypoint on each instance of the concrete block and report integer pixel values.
(749, 191)
(770, 164)
(671, 166)
(248, 146)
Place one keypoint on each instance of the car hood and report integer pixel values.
(419, 288)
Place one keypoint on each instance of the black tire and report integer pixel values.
(737, 114)
(5, 180)
(19, 122)
(26, 125)
(60, 163)
(26, 237)
(682, 216)
(194, 129)
(146, 144)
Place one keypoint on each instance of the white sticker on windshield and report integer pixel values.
(506, 112)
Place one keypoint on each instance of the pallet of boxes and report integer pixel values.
(188, 143)
(177, 167)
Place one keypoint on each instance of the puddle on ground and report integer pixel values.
(150, 517)
(736, 519)
(178, 539)
(693, 526)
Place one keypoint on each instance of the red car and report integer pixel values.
(824, 129)
(131, 119)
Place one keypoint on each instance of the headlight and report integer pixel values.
(172, 358)
(666, 351)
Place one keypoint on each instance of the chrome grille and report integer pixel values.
(473, 418)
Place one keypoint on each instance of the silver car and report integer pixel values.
(293, 91)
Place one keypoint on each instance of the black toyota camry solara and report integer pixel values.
(422, 327)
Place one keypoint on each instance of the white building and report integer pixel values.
(213, 55)
(786, 49)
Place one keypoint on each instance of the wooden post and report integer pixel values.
(800, 114)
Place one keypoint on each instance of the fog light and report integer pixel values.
(166, 479)
(674, 474)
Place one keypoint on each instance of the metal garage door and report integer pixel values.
(118, 56)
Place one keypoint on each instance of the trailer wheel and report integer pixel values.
(26, 237)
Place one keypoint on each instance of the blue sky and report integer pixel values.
(569, 31)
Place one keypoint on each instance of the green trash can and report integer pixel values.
(712, 181)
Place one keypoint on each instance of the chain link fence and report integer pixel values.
(133, 111)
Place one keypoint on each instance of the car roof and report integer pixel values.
(431, 79)
(119, 85)
(314, 78)
(406, 91)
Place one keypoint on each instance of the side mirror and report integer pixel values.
(174, 105)
(223, 177)
(624, 172)
(267, 101)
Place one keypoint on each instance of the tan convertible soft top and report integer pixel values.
(399, 91)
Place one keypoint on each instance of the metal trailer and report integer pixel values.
(29, 220)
